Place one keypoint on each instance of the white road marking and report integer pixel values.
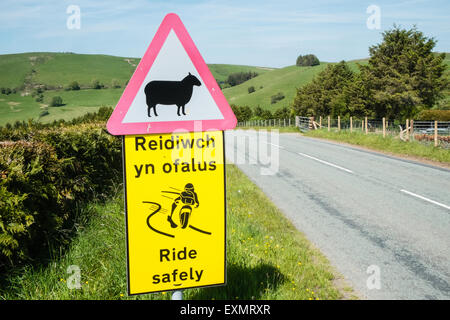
(325, 162)
(426, 199)
(281, 147)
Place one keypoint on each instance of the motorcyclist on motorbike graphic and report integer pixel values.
(188, 197)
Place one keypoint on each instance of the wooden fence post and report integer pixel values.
(435, 133)
(407, 130)
(384, 127)
(320, 122)
(310, 124)
(411, 129)
(351, 124)
(365, 123)
(329, 123)
(339, 123)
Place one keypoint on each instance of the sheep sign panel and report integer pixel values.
(171, 89)
(172, 115)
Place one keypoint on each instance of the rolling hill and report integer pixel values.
(25, 72)
(56, 71)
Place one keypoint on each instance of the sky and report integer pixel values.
(256, 32)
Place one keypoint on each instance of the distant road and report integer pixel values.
(365, 211)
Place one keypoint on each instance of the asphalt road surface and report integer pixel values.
(384, 223)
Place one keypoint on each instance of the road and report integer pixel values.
(383, 222)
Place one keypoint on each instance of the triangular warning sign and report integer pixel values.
(171, 90)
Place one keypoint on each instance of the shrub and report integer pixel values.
(115, 83)
(307, 60)
(39, 98)
(277, 97)
(56, 101)
(239, 77)
(97, 85)
(44, 173)
(251, 89)
(439, 115)
(73, 86)
(43, 113)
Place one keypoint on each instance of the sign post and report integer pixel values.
(172, 115)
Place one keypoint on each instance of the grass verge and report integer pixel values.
(389, 144)
(267, 258)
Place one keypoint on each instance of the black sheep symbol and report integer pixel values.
(177, 93)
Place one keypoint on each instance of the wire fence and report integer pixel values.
(435, 133)
(288, 122)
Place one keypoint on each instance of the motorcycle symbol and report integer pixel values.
(182, 207)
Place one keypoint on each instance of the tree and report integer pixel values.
(282, 113)
(307, 60)
(258, 112)
(267, 115)
(277, 97)
(74, 86)
(403, 75)
(239, 77)
(246, 113)
(242, 113)
(325, 94)
(56, 101)
(96, 84)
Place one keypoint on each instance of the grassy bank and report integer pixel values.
(267, 258)
(389, 144)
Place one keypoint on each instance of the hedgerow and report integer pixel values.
(45, 171)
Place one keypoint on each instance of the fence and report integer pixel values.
(289, 122)
(429, 132)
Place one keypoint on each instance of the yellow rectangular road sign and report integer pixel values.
(175, 210)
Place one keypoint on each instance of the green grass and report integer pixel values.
(267, 258)
(285, 80)
(58, 70)
(222, 71)
(77, 103)
(15, 67)
(63, 68)
(390, 144)
(14, 107)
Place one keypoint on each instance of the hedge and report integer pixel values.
(44, 172)
(439, 115)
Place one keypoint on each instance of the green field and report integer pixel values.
(285, 80)
(26, 71)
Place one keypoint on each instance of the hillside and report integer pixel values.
(25, 72)
(285, 80)
(60, 69)
(56, 71)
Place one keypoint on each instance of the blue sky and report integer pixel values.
(262, 33)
